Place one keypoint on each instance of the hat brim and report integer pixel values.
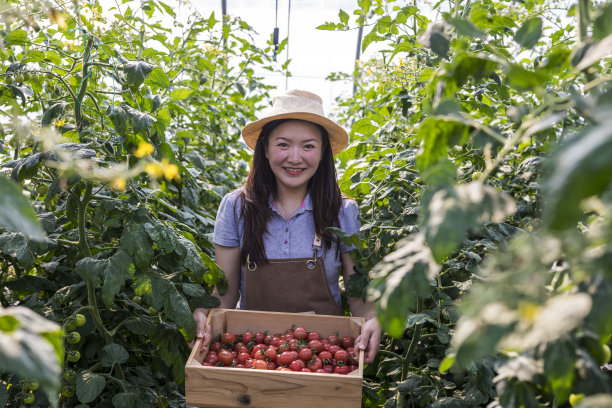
(338, 138)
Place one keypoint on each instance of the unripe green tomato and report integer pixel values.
(50, 75)
(70, 375)
(29, 398)
(35, 78)
(79, 319)
(73, 356)
(476, 175)
(31, 385)
(68, 391)
(73, 337)
(137, 299)
(71, 325)
(19, 78)
(26, 76)
(605, 354)
(9, 80)
(152, 310)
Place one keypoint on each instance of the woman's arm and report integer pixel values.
(371, 330)
(228, 259)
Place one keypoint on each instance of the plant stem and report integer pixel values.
(408, 356)
(583, 20)
(83, 89)
(82, 210)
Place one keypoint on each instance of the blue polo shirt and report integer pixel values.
(290, 238)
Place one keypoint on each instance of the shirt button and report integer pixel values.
(286, 242)
(291, 218)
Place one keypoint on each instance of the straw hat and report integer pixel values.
(301, 105)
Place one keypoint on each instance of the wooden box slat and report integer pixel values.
(238, 387)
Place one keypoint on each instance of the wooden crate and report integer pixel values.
(240, 387)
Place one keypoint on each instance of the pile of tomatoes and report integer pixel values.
(295, 350)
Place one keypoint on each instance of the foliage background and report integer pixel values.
(479, 155)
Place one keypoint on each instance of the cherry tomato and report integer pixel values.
(73, 337)
(260, 365)
(314, 336)
(352, 367)
(300, 333)
(347, 341)
(341, 355)
(249, 363)
(285, 358)
(247, 337)
(243, 357)
(333, 349)
(321, 371)
(227, 338)
(341, 369)
(29, 398)
(211, 358)
(305, 353)
(306, 370)
(260, 337)
(255, 350)
(216, 346)
(225, 356)
(80, 319)
(70, 375)
(205, 364)
(314, 364)
(240, 366)
(68, 391)
(293, 344)
(326, 357)
(328, 368)
(73, 356)
(267, 339)
(271, 353)
(296, 365)
(315, 345)
(281, 368)
(333, 339)
(271, 365)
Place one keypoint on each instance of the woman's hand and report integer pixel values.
(202, 329)
(369, 339)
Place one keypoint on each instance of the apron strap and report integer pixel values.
(310, 264)
(316, 242)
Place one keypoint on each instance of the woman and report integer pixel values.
(271, 237)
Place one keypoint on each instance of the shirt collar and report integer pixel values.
(306, 205)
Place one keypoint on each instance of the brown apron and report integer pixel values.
(291, 285)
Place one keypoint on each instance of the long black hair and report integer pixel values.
(261, 185)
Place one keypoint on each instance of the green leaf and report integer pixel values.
(16, 245)
(579, 169)
(559, 367)
(447, 363)
(92, 270)
(344, 17)
(327, 26)
(117, 271)
(119, 117)
(529, 33)
(136, 72)
(18, 36)
(523, 80)
(451, 212)
(435, 136)
(167, 8)
(399, 280)
(114, 354)
(180, 93)
(89, 386)
(53, 112)
(17, 214)
(466, 28)
(594, 53)
(465, 66)
(135, 241)
(159, 77)
(369, 38)
(31, 347)
(602, 25)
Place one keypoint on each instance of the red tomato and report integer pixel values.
(211, 358)
(333, 339)
(305, 353)
(293, 344)
(300, 333)
(271, 365)
(314, 364)
(239, 346)
(255, 350)
(288, 331)
(285, 358)
(227, 338)
(260, 365)
(240, 366)
(296, 365)
(234, 354)
(267, 339)
(348, 341)
(326, 357)
(260, 337)
(306, 370)
(315, 345)
(243, 357)
(225, 356)
(353, 367)
(333, 349)
(249, 363)
(247, 337)
(260, 355)
(328, 368)
(207, 364)
(271, 353)
(341, 355)
(314, 336)
(294, 354)
(341, 369)
(281, 368)
(283, 347)
(216, 346)
(321, 370)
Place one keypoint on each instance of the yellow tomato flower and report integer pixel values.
(144, 149)
(118, 184)
(59, 122)
(154, 170)
(171, 171)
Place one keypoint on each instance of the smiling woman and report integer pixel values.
(273, 232)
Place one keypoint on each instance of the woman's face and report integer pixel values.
(294, 151)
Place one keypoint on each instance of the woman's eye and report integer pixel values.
(309, 146)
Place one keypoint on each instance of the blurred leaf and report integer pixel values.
(595, 52)
(524, 80)
(465, 27)
(451, 212)
(53, 112)
(465, 66)
(180, 93)
(579, 169)
(399, 279)
(436, 135)
(559, 366)
(116, 272)
(529, 33)
(17, 214)
(602, 25)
